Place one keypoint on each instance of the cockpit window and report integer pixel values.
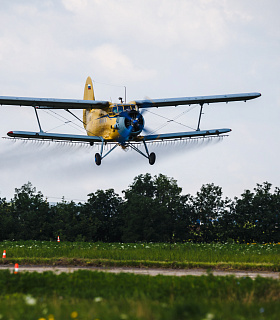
(119, 109)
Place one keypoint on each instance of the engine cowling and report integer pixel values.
(129, 124)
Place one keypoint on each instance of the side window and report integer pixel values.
(115, 109)
(127, 108)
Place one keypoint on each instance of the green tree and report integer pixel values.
(66, 221)
(8, 222)
(152, 209)
(102, 215)
(209, 208)
(31, 213)
(257, 215)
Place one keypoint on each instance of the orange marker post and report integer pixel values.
(16, 268)
(4, 254)
(58, 240)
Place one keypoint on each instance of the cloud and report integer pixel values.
(75, 5)
(118, 65)
(158, 48)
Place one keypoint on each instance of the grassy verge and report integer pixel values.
(143, 264)
(95, 295)
(227, 256)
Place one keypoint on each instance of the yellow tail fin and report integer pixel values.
(88, 95)
(88, 92)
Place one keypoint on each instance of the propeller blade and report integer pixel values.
(126, 115)
(126, 134)
(147, 130)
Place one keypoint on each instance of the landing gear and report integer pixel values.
(98, 159)
(152, 158)
(100, 156)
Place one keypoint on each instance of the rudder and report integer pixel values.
(88, 95)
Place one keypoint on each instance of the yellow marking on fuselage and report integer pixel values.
(96, 121)
(101, 123)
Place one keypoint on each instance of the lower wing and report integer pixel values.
(91, 139)
(54, 136)
(178, 135)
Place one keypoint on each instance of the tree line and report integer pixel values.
(150, 209)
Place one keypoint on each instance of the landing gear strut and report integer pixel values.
(150, 156)
(99, 156)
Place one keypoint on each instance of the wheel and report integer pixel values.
(152, 158)
(98, 159)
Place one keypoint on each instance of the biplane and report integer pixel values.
(118, 124)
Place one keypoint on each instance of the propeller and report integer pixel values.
(134, 124)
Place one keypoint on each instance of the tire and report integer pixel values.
(98, 159)
(152, 158)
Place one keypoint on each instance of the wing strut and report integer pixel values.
(198, 125)
(38, 120)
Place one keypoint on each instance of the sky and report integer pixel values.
(156, 49)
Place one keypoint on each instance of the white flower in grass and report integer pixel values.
(29, 300)
(98, 299)
(209, 316)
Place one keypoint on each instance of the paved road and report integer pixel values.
(148, 271)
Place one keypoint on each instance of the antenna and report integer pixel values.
(113, 85)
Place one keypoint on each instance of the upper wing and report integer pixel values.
(46, 103)
(196, 100)
(178, 135)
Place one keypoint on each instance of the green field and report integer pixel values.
(104, 296)
(176, 255)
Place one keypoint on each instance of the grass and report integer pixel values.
(177, 255)
(102, 296)
(95, 295)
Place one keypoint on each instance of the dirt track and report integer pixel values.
(148, 271)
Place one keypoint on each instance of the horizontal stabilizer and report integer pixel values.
(178, 135)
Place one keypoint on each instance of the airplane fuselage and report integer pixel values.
(114, 122)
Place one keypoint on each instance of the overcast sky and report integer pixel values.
(157, 49)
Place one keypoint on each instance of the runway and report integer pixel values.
(147, 271)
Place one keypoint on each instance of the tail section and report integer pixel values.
(88, 95)
(88, 92)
